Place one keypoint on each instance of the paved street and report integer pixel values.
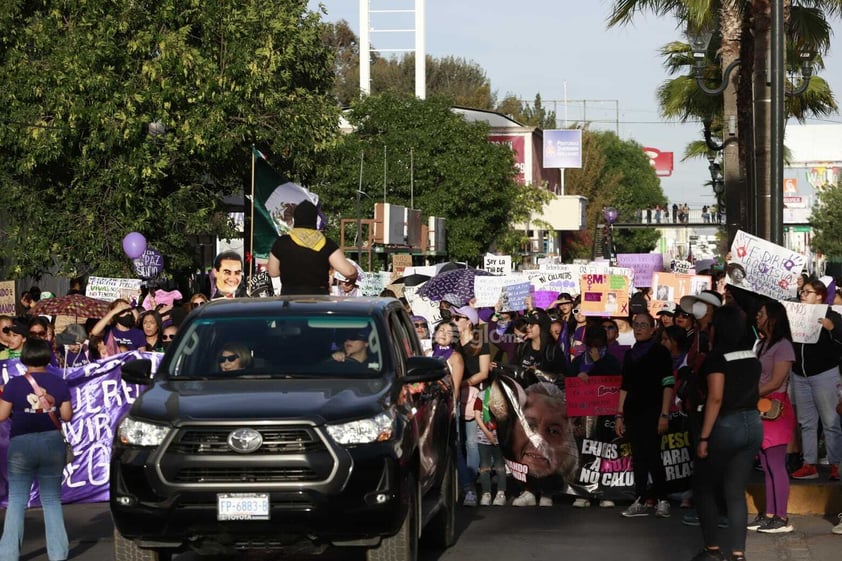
(524, 534)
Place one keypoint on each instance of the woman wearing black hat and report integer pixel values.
(303, 257)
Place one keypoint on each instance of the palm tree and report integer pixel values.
(741, 33)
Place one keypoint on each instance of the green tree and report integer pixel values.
(826, 221)
(535, 115)
(139, 116)
(434, 158)
(616, 173)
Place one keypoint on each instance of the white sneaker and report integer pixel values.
(485, 499)
(525, 499)
(499, 499)
(545, 501)
(470, 499)
(605, 503)
(581, 503)
(838, 528)
(662, 510)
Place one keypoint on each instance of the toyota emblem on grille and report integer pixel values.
(245, 441)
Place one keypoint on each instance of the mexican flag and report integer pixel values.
(275, 199)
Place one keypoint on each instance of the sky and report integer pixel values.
(563, 49)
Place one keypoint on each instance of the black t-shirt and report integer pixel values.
(471, 359)
(742, 378)
(303, 271)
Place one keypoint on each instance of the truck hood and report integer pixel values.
(317, 400)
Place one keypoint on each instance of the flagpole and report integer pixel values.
(251, 217)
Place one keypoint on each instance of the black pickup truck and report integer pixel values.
(295, 424)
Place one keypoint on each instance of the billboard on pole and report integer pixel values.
(563, 148)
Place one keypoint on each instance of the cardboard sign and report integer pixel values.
(488, 291)
(498, 264)
(109, 289)
(604, 295)
(670, 287)
(805, 320)
(7, 298)
(400, 261)
(764, 267)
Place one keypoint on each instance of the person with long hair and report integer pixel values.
(731, 434)
(153, 326)
(646, 395)
(36, 449)
(776, 355)
(814, 387)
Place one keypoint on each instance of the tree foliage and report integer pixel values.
(432, 157)
(826, 221)
(81, 166)
(616, 173)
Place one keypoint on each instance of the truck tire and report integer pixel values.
(440, 532)
(126, 550)
(403, 546)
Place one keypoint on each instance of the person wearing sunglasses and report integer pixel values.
(119, 328)
(15, 335)
(197, 300)
(168, 336)
(233, 357)
(5, 327)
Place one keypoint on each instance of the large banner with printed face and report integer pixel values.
(100, 399)
(550, 451)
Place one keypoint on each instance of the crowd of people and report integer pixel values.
(678, 214)
(714, 357)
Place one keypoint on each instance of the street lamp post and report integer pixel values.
(610, 215)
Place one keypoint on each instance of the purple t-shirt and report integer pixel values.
(27, 414)
(782, 351)
(133, 339)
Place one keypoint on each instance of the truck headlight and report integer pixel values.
(376, 429)
(140, 433)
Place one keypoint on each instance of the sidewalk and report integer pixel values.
(811, 541)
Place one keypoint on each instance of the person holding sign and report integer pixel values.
(814, 384)
(646, 395)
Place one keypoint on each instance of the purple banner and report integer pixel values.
(100, 399)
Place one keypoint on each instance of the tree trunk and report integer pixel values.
(732, 131)
(761, 25)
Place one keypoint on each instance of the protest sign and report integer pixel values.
(604, 295)
(764, 267)
(643, 265)
(670, 287)
(566, 277)
(497, 264)
(513, 297)
(400, 261)
(600, 395)
(805, 320)
(109, 289)
(7, 298)
(544, 298)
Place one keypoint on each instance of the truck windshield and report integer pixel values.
(283, 346)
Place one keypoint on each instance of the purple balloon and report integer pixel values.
(134, 244)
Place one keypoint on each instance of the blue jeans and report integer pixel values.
(29, 456)
(734, 442)
(491, 458)
(815, 400)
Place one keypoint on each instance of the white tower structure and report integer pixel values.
(386, 16)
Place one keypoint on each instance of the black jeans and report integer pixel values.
(645, 443)
(734, 442)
